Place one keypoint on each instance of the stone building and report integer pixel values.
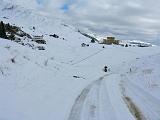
(110, 40)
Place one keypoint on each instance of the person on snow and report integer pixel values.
(105, 68)
(130, 70)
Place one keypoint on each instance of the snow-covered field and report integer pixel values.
(67, 81)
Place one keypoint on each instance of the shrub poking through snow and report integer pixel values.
(54, 35)
(13, 60)
(2, 30)
(41, 48)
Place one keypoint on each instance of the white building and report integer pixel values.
(35, 38)
(39, 39)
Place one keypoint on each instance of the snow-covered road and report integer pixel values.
(150, 109)
(101, 100)
(122, 94)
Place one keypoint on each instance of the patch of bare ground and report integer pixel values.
(133, 109)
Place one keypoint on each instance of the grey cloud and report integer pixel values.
(127, 19)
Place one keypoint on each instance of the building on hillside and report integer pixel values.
(110, 40)
(39, 39)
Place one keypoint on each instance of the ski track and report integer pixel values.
(94, 103)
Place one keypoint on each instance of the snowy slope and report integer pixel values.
(40, 85)
(67, 81)
(142, 85)
(43, 23)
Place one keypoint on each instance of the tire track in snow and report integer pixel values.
(93, 103)
(133, 108)
(151, 104)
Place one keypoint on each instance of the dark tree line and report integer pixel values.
(2, 30)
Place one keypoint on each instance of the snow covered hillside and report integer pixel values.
(66, 81)
(141, 86)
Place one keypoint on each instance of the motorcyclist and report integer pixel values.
(105, 68)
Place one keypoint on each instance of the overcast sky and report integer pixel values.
(126, 19)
